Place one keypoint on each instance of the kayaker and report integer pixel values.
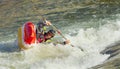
(40, 28)
(43, 36)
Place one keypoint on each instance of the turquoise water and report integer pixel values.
(91, 27)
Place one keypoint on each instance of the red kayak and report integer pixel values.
(27, 35)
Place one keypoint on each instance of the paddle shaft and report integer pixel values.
(64, 37)
(55, 28)
(59, 33)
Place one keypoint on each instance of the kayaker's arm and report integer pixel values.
(63, 43)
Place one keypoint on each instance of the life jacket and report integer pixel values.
(42, 38)
(40, 30)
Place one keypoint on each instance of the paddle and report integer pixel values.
(55, 28)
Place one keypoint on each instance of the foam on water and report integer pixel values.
(92, 41)
(48, 56)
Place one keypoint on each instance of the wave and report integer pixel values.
(48, 56)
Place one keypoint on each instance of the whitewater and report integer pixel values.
(47, 56)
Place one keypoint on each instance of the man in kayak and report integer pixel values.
(41, 29)
(43, 36)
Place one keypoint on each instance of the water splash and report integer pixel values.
(48, 56)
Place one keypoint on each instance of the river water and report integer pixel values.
(91, 25)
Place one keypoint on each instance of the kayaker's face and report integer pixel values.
(49, 35)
